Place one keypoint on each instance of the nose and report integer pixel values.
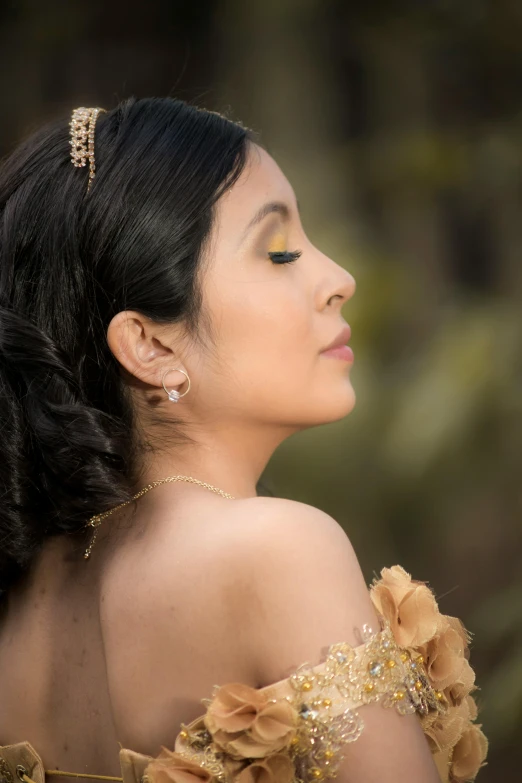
(343, 286)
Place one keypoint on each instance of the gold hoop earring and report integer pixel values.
(173, 394)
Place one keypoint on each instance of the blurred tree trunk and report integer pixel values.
(282, 54)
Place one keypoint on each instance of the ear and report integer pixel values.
(144, 349)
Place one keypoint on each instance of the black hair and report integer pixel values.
(69, 261)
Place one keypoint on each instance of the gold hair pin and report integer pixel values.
(82, 124)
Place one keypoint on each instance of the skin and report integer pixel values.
(257, 375)
(192, 589)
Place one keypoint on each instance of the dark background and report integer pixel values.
(399, 125)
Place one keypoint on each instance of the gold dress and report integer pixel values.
(298, 730)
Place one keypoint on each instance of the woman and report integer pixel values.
(160, 259)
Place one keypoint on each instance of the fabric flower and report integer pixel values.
(472, 707)
(445, 730)
(458, 626)
(408, 605)
(462, 685)
(469, 754)
(246, 723)
(444, 655)
(232, 767)
(169, 767)
(273, 769)
(442, 761)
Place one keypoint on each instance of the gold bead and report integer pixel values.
(183, 734)
(327, 702)
(404, 657)
(398, 695)
(306, 686)
(418, 685)
(294, 740)
(368, 687)
(439, 695)
(420, 659)
(390, 664)
(316, 773)
(329, 754)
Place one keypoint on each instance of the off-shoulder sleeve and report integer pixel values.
(297, 730)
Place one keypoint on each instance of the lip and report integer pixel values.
(341, 339)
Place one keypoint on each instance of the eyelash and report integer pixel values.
(285, 257)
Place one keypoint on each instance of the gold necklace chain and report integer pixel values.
(95, 520)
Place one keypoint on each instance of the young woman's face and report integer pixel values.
(270, 321)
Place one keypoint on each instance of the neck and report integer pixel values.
(232, 460)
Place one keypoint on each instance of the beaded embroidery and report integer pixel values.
(377, 671)
(5, 774)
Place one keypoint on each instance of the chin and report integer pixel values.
(337, 407)
(344, 406)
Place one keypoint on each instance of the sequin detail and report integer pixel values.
(326, 698)
(377, 671)
(5, 773)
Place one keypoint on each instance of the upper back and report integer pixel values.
(120, 654)
(120, 650)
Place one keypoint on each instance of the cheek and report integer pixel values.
(266, 330)
(270, 365)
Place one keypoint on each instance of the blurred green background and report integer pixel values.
(399, 125)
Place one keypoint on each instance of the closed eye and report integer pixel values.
(285, 256)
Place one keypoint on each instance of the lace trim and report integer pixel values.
(377, 671)
(318, 726)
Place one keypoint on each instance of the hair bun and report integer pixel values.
(71, 442)
(29, 352)
(61, 459)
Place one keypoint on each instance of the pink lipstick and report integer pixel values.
(338, 348)
(341, 352)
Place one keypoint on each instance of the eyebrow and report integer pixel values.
(278, 207)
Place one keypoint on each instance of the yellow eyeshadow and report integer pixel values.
(277, 243)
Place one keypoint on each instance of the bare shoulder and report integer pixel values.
(253, 544)
(298, 585)
(280, 523)
(274, 580)
(223, 539)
